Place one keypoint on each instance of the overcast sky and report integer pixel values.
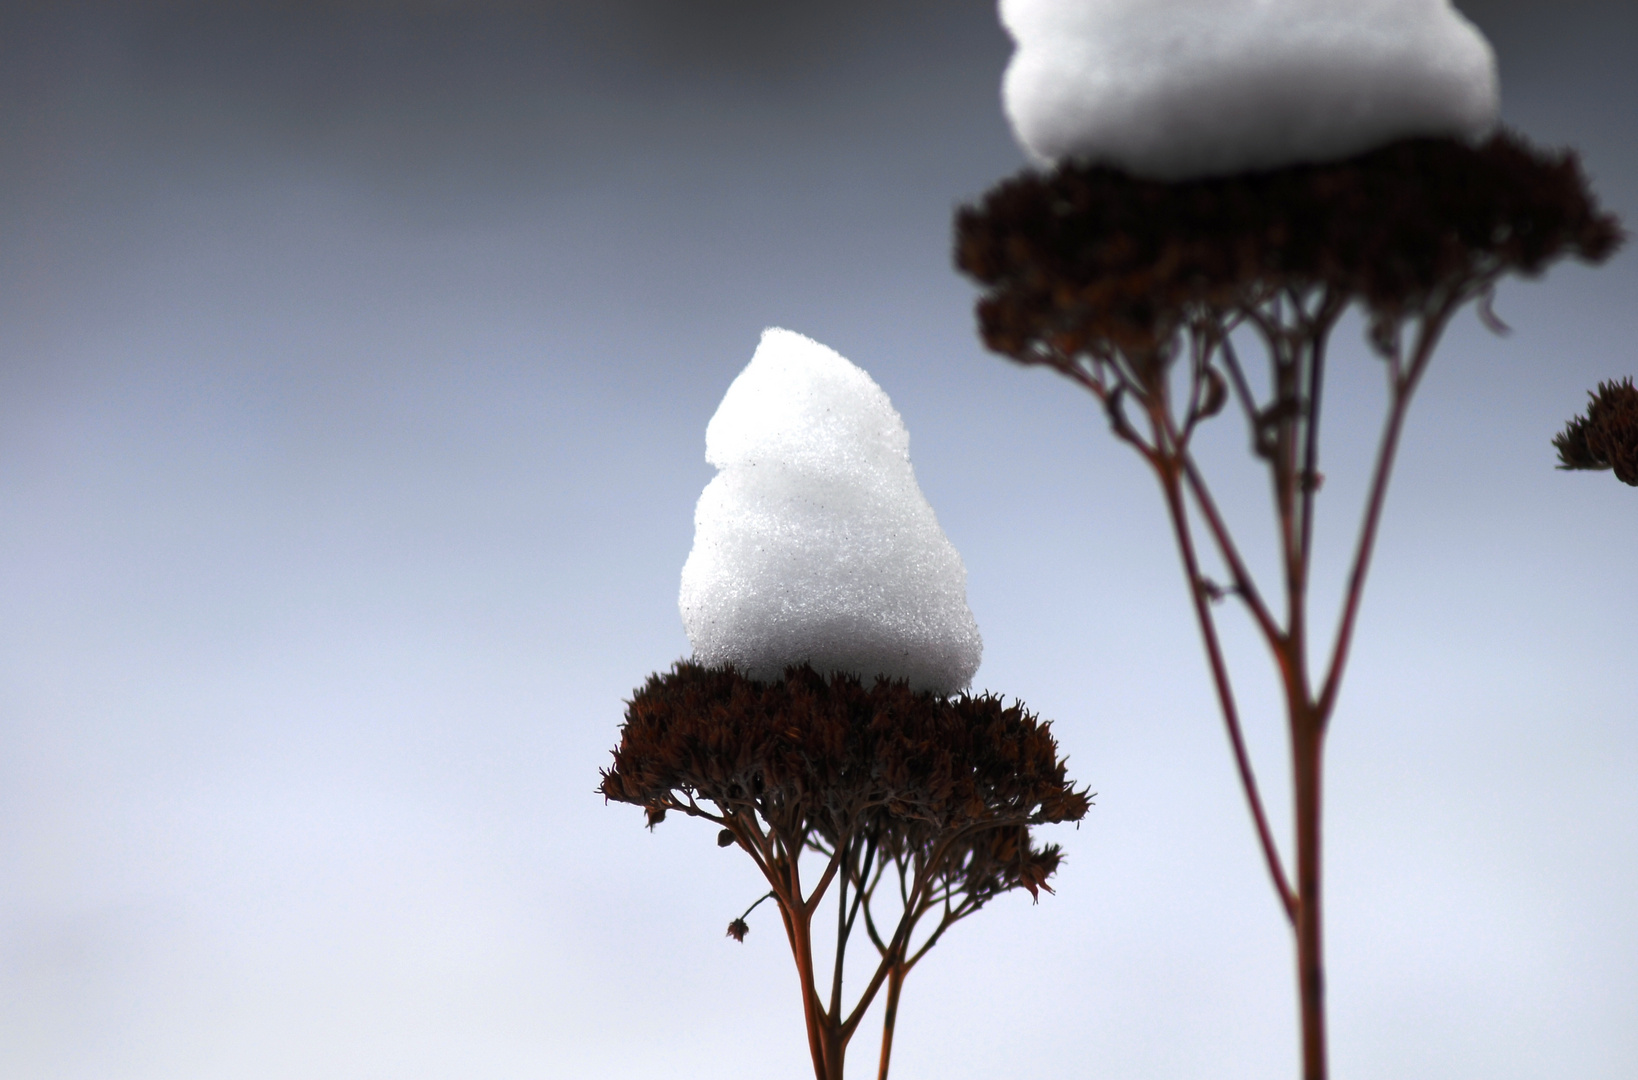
(354, 372)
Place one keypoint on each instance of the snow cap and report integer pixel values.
(1176, 89)
(814, 542)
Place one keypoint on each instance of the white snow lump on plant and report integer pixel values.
(1175, 89)
(814, 542)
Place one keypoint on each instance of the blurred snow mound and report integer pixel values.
(814, 542)
(1174, 89)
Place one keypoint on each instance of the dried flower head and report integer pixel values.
(935, 795)
(1607, 437)
(1088, 258)
(832, 757)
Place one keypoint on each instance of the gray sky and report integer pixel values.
(354, 371)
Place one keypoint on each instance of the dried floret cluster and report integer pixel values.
(829, 758)
(1607, 437)
(935, 795)
(1086, 257)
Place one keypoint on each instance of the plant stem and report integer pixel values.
(1307, 750)
(1403, 386)
(1225, 692)
(895, 982)
(796, 930)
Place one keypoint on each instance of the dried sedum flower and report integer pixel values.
(1088, 258)
(933, 795)
(824, 760)
(1607, 437)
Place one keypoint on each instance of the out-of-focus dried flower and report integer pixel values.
(1088, 258)
(1607, 437)
(1146, 292)
(738, 929)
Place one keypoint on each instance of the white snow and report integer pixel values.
(814, 542)
(1174, 89)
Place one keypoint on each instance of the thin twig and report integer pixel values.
(1244, 586)
(1427, 337)
(1225, 694)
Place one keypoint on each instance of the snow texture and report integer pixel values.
(814, 542)
(1174, 89)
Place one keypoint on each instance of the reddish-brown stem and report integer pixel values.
(825, 879)
(1244, 586)
(1307, 746)
(1309, 480)
(796, 929)
(1404, 385)
(1168, 473)
(895, 983)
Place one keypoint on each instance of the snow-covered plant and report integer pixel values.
(1607, 437)
(1146, 292)
(824, 712)
(917, 807)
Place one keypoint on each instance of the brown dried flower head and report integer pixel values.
(919, 806)
(822, 760)
(1607, 437)
(1087, 259)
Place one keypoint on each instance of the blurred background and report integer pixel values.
(355, 361)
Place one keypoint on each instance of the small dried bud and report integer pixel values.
(655, 815)
(725, 838)
(738, 929)
(1216, 394)
(1607, 437)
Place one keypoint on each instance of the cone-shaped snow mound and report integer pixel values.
(814, 542)
(1174, 89)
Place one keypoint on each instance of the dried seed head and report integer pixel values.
(1085, 260)
(738, 929)
(829, 754)
(817, 759)
(1607, 437)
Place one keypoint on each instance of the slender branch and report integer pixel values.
(1225, 692)
(890, 1015)
(1200, 349)
(1282, 415)
(894, 951)
(753, 843)
(948, 920)
(860, 872)
(693, 809)
(802, 951)
(812, 902)
(1316, 331)
(1244, 586)
(841, 940)
(1307, 477)
(1428, 336)
(870, 922)
(926, 868)
(1242, 389)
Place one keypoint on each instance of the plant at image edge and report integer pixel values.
(1138, 289)
(1607, 437)
(934, 796)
